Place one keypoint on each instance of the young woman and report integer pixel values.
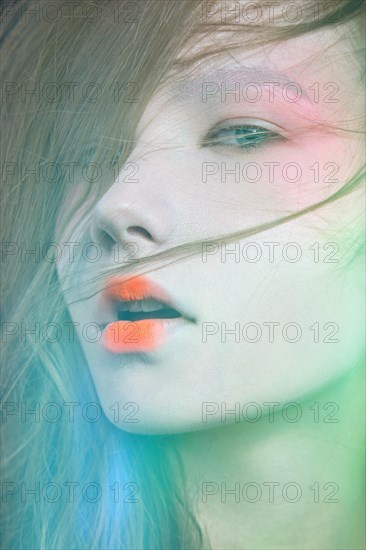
(182, 265)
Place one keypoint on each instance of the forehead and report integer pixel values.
(318, 58)
(323, 64)
(327, 48)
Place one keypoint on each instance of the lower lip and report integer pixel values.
(139, 336)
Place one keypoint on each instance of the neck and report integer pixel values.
(281, 484)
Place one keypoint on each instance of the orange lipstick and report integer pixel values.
(145, 316)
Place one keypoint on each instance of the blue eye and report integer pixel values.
(242, 136)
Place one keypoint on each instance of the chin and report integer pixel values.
(158, 424)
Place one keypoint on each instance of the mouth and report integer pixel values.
(138, 310)
(141, 316)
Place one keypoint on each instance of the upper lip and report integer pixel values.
(121, 290)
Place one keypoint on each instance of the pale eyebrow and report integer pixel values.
(234, 73)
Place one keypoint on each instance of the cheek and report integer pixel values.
(283, 325)
(274, 181)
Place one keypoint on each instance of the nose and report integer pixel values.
(133, 212)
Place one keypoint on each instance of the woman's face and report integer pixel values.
(243, 139)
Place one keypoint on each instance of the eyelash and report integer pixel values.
(214, 137)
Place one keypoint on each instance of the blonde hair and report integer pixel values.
(113, 50)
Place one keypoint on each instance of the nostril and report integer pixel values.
(136, 230)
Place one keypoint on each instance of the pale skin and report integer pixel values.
(171, 385)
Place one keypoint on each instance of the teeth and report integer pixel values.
(152, 305)
(136, 306)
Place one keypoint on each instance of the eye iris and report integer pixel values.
(250, 135)
(240, 137)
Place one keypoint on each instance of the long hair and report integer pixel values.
(94, 485)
